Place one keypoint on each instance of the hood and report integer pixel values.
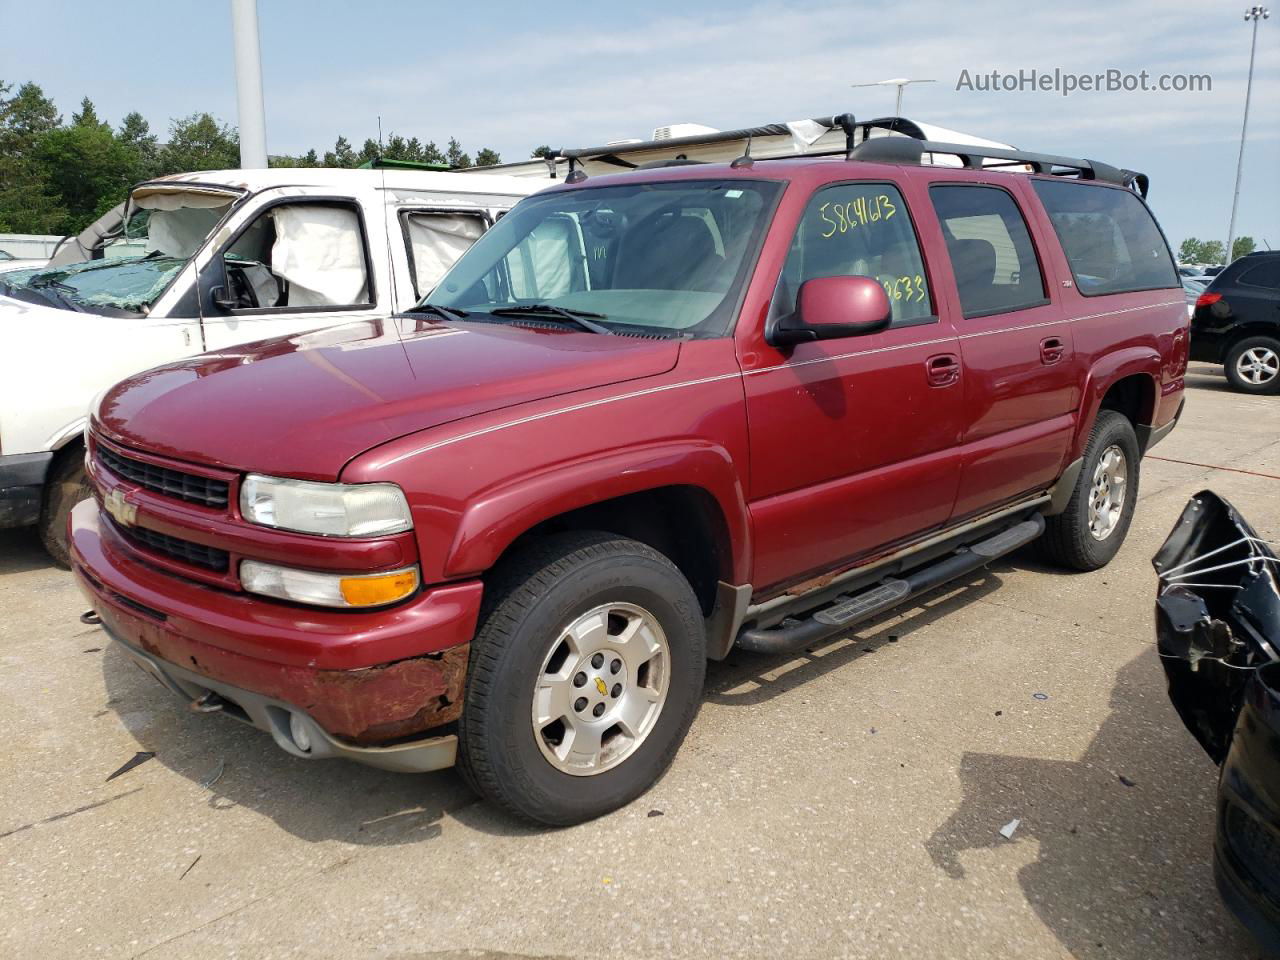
(304, 406)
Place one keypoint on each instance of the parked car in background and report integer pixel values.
(203, 262)
(1191, 289)
(648, 418)
(1236, 323)
(1218, 634)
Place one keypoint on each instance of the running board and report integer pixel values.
(792, 634)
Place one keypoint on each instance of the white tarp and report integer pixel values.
(437, 240)
(318, 252)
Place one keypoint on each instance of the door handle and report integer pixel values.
(942, 369)
(1052, 349)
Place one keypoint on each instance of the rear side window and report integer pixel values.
(859, 229)
(991, 252)
(1263, 275)
(1109, 236)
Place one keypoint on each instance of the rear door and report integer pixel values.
(1020, 370)
(852, 440)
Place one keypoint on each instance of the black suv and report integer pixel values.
(1237, 323)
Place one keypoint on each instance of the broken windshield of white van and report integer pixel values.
(319, 254)
(436, 241)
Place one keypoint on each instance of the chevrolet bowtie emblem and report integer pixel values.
(121, 510)
(604, 691)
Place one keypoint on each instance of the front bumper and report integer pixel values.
(22, 477)
(369, 684)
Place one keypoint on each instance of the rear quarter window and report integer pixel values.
(1266, 275)
(1111, 241)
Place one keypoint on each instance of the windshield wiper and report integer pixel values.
(447, 313)
(584, 319)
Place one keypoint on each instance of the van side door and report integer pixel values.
(852, 439)
(297, 259)
(1021, 377)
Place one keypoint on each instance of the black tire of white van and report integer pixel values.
(1267, 348)
(530, 601)
(1067, 540)
(66, 486)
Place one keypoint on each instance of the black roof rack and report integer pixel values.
(910, 146)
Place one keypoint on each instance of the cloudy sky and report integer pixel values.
(514, 75)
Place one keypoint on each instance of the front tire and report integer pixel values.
(1253, 365)
(1091, 530)
(585, 675)
(67, 485)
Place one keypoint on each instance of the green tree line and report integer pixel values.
(57, 177)
(1194, 250)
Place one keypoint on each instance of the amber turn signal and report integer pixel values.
(378, 590)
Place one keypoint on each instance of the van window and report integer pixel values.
(990, 248)
(858, 229)
(1109, 236)
(300, 255)
(435, 241)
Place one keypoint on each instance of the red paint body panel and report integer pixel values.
(304, 406)
(814, 455)
(262, 629)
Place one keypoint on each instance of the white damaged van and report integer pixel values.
(201, 262)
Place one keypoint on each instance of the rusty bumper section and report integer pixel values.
(297, 732)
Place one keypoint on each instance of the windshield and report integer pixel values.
(130, 285)
(165, 228)
(665, 257)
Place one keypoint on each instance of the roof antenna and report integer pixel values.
(745, 160)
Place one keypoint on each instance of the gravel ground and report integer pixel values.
(843, 803)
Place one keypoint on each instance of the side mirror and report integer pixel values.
(220, 300)
(832, 307)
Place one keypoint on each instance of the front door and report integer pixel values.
(852, 440)
(294, 264)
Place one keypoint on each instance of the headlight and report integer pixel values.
(328, 589)
(332, 509)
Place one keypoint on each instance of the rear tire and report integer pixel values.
(1091, 530)
(67, 485)
(1253, 365)
(536, 604)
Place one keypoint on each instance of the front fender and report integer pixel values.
(1110, 369)
(492, 520)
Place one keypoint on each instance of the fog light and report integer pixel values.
(298, 731)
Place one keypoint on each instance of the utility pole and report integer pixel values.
(1253, 14)
(252, 119)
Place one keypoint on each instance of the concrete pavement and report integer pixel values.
(844, 803)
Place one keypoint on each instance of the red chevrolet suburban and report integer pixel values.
(650, 416)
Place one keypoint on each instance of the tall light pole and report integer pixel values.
(252, 119)
(898, 82)
(1252, 14)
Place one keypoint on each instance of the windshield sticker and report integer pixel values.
(858, 212)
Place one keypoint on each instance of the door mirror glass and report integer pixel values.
(831, 307)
